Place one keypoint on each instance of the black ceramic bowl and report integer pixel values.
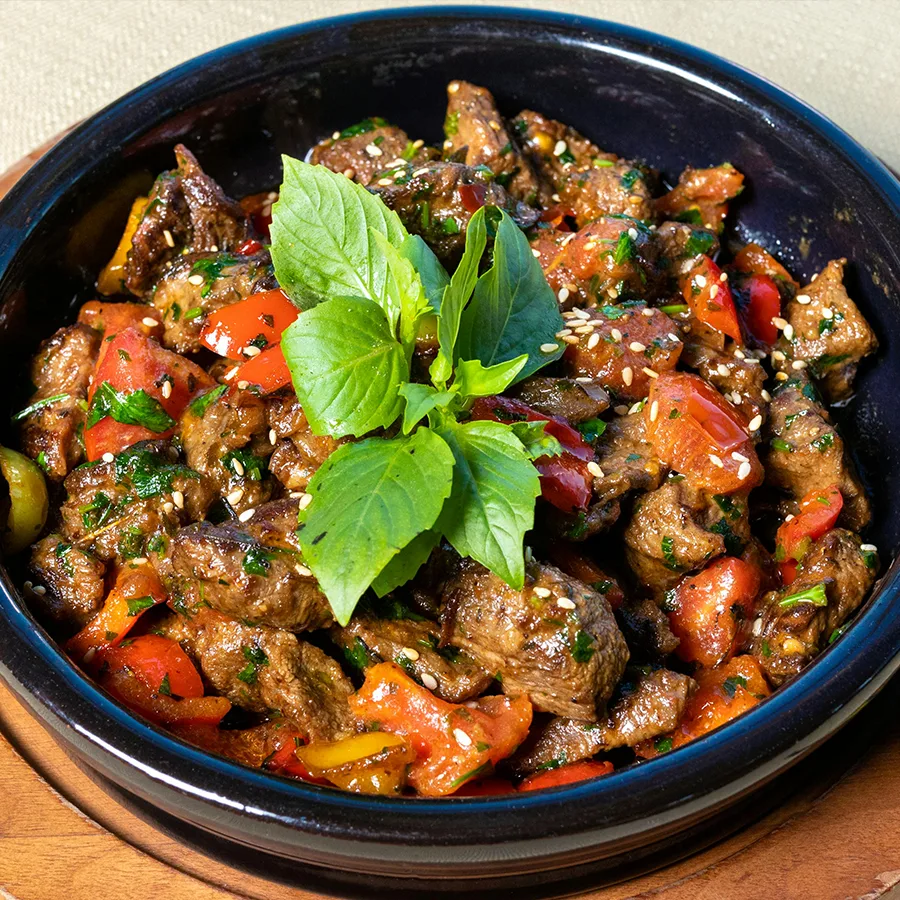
(814, 195)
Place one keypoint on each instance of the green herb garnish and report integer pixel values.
(136, 408)
(814, 595)
(136, 605)
(39, 405)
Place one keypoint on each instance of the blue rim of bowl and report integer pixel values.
(757, 739)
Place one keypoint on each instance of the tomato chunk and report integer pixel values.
(819, 512)
(579, 771)
(753, 260)
(695, 431)
(710, 298)
(454, 743)
(712, 609)
(258, 321)
(160, 663)
(268, 371)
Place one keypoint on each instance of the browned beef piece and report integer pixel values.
(563, 397)
(805, 453)
(221, 280)
(253, 570)
(474, 124)
(267, 669)
(787, 637)
(567, 660)
(666, 536)
(830, 333)
(367, 148)
(63, 365)
(678, 246)
(115, 509)
(645, 707)
(71, 580)
(742, 379)
(249, 746)
(646, 629)
(450, 673)
(627, 459)
(187, 210)
(298, 452)
(427, 198)
(617, 347)
(218, 444)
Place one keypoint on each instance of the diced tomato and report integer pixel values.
(573, 563)
(486, 787)
(763, 305)
(710, 298)
(111, 318)
(819, 512)
(135, 362)
(753, 260)
(268, 371)
(159, 662)
(573, 772)
(249, 247)
(258, 321)
(454, 743)
(120, 612)
(712, 609)
(565, 479)
(472, 196)
(695, 431)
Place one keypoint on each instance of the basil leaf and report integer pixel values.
(472, 379)
(535, 440)
(137, 408)
(404, 298)
(492, 502)
(370, 499)
(406, 563)
(346, 366)
(456, 296)
(434, 276)
(322, 244)
(421, 399)
(513, 310)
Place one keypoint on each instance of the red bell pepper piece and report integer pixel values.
(753, 260)
(258, 321)
(573, 772)
(284, 760)
(563, 555)
(268, 371)
(763, 305)
(710, 298)
(159, 662)
(819, 512)
(472, 196)
(249, 247)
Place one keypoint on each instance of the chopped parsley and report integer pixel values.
(781, 444)
(583, 648)
(728, 506)
(39, 405)
(202, 404)
(211, 270)
(630, 178)
(136, 408)
(62, 552)
(451, 124)
(668, 552)
(363, 127)
(165, 688)
(148, 472)
(823, 442)
(256, 561)
(136, 605)
(357, 654)
(734, 546)
(624, 250)
(256, 658)
(244, 464)
(592, 429)
(450, 226)
(700, 242)
(814, 595)
(732, 683)
(662, 744)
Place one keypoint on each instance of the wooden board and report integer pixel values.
(62, 836)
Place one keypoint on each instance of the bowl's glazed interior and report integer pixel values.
(813, 196)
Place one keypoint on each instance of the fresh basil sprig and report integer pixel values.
(380, 505)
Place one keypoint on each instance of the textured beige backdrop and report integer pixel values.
(61, 60)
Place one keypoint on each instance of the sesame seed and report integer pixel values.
(594, 469)
(723, 370)
(448, 144)
(804, 299)
(373, 150)
(740, 354)
(563, 295)
(555, 199)
(349, 173)
(757, 626)
(336, 136)
(195, 280)
(453, 87)
(654, 410)
(251, 351)
(868, 548)
(139, 561)
(792, 645)
(235, 496)
(778, 356)
(581, 313)
(570, 339)
(168, 236)
(495, 125)
(593, 340)
(542, 592)
(673, 337)
(584, 379)
(779, 323)
(107, 457)
(535, 253)
(636, 407)
(701, 280)
(560, 148)
(549, 348)
(716, 461)
(418, 144)
(584, 329)
(755, 423)
(648, 311)
(305, 500)
(564, 333)
(565, 603)
(272, 436)
(723, 276)
(590, 245)
(827, 312)
(616, 335)
(168, 506)
(231, 373)
(243, 385)
(166, 390)
(627, 376)
(384, 182)
(751, 361)
(429, 681)
(462, 738)
(739, 457)
(789, 331)
(295, 495)
(39, 589)
(781, 376)
(178, 499)
(637, 347)
(650, 373)
(409, 653)
(735, 398)
(303, 571)
(788, 517)
(246, 515)
(571, 287)
(89, 655)
(238, 467)
(634, 201)
(713, 292)
(798, 364)
(612, 293)
(632, 233)
(767, 397)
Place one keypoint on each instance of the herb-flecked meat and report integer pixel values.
(297, 452)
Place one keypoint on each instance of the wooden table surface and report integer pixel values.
(62, 836)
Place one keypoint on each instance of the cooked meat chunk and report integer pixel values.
(702, 195)
(217, 444)
(740, 378)
(646, 629)
(805, 452)
(115, 509)
(450, 673)
(266, 669)
(566, 660)
(437, 200)
(62, 366)
(298, 452)
(252, 570)
(563, 397)
(645, 707)
(665, 537)
(72, 580)
(541, 136)
(627, 459)
(790, 633)
(829, 332)
(367, 148)
(474, 124)
(186, 210)
(617, 346)
(221, 280)
(678, 244)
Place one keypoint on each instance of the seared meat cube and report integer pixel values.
(666, 536)
(72, 579)
(701, 196)
(450, 673)
(563, 397)
(627, 459)
(617, 346)
(217, 444)
(541, 138)
(201, 283)
(63, 366)
(186, 210)
(437, 200)
(474, 124)
(829, 332)
(678, 244)
(253, 570)
(266, 669)
(805, 452)
(367, 148)
(645, 707)
(646, 629)
(740, 378)
(298, 452)
(790, 633)
(555, 640)
(115, 509)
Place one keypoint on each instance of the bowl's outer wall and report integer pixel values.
(811, 198)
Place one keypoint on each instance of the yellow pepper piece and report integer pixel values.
(27, 500)
(112, 277)
(337, 753)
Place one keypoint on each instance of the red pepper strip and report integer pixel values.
(250, 247)
(763, 305)
(159, 662)
(819, 512)
(284, 760)
(258, 321)
(579, 771)
(268, 371)
(710, 298)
